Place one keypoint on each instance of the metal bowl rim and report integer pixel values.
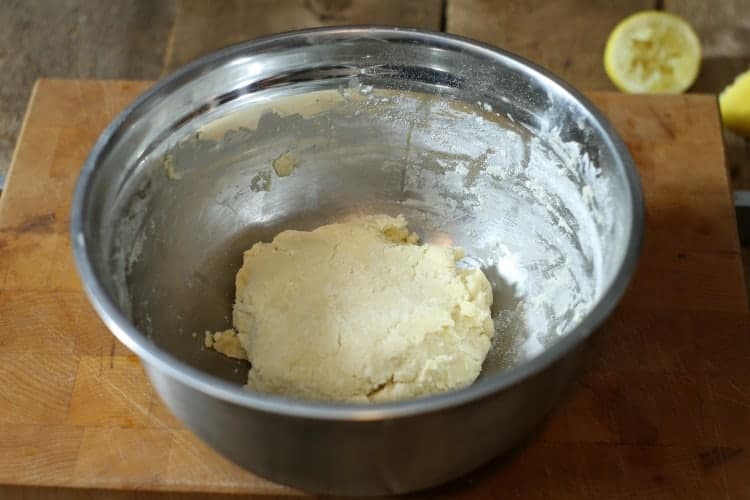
(161, 360)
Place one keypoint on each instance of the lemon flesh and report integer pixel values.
(735, 105)
(653, 52)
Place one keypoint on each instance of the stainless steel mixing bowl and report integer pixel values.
(475, 146)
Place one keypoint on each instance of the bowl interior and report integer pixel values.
(476, 150)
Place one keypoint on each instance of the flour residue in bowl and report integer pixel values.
(533, 205)
(528, 206)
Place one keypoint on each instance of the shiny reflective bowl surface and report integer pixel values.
(475, 146)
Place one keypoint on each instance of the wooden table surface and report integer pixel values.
(145, 39)
(662, 409)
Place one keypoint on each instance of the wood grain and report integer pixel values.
(565, 36)
(201, 27)
(691, 241)
(661, 410)
(725, 38)
(724, 31)
(74, 39)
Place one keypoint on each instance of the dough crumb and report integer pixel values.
(168, 165)
(261, 182)
(358, 311)
(285, 164)
(227, 343)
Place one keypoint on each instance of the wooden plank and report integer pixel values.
(38, 454)
(68, 39)
(566, 36)
(690, 259)
(673, 341)
(725, 37)
(201, 27)
(58, 493)
(661, 410)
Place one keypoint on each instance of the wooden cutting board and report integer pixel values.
(662, 409)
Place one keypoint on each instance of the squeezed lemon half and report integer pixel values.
(653, 52)
(735, 105)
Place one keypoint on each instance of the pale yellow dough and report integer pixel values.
(285, 164)
(227, 343)
(357, 311)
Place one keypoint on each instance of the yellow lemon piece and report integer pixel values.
(653, 52)
(735, 105)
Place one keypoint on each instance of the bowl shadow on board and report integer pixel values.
(481, 482)
(204, 301)
(484, 480)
